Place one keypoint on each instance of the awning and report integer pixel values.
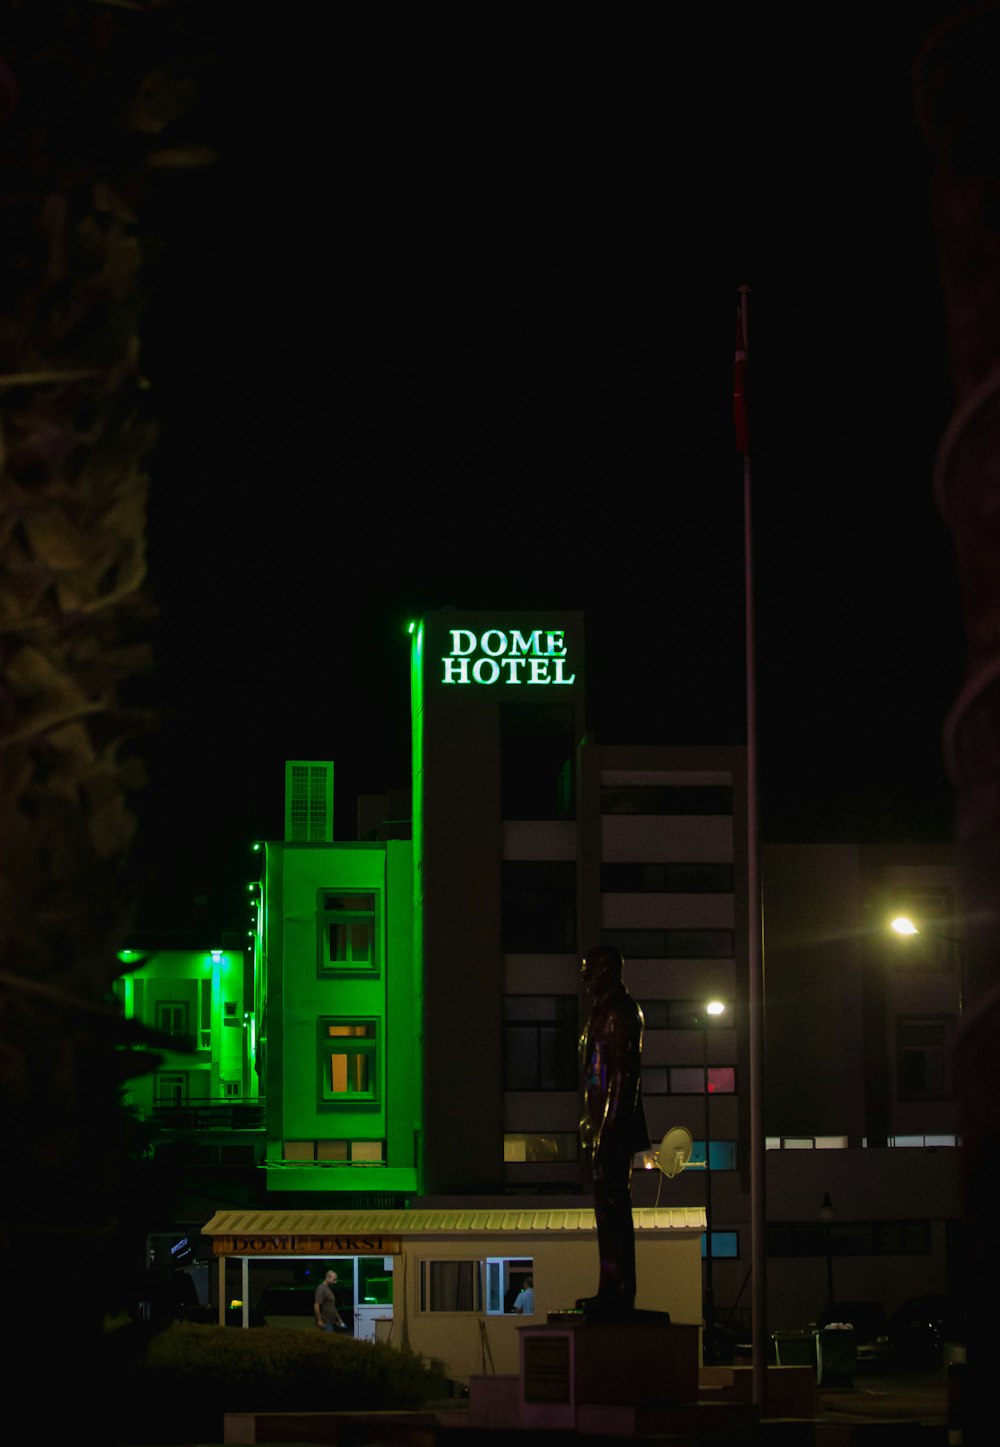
(277, 1233)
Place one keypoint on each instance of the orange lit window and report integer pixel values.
(349, 1059)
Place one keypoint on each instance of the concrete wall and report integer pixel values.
(667, 1267)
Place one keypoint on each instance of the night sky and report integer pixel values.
(452, 323)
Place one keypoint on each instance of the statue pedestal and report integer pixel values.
(570, 1365)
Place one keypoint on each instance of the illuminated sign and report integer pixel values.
(501, 655)
(292, 1245)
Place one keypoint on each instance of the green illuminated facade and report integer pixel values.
(338, 1045)
(403, 1029)
(199, 1004)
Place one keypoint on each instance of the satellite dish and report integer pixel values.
(675, 1151)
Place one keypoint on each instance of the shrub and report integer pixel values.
(190, 1375)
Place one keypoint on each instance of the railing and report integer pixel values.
(211, 1115)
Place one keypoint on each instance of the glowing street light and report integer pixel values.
(711, 1008)
(906, 927)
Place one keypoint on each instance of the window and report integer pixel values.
(450, 1286)
(923, 1050)
(688, 1080)
(667, 878)
(849, 1238)
(505, 1276)
(539, 1147)
(540, 1042)
(682, 1015)
(923, 1142)
(539, 907)
(231, 1089)
(725, 1245)
(667, 799)
(721, 1155)
(671, 944)
(348, 1054)
(172, 1088)
(806, 1143)
(334, 1152)
(348, 938)
(172, 1017)
(205, 1016)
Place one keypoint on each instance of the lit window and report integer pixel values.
(335, 1152)
(721, 1155)
(540, 1147)
(450, 1286)
(725, 1245)
(690, 1080)
(348, 938)
(505, 1279)
(348, 1060)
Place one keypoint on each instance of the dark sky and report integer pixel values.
(452, 323)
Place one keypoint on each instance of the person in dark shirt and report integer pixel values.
(328, 1318)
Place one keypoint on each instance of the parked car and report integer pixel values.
(919, 1329)
(870, 1326)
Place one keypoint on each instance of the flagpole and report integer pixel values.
(755, 992)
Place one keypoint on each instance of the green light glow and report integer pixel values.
(417, 779)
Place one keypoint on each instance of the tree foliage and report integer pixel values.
(90, 98)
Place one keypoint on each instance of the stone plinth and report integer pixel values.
(572, 1363)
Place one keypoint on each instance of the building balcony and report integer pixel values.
(210, 1115)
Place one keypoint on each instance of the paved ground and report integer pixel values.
(920, 1396)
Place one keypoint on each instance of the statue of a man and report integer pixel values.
(614, 1124)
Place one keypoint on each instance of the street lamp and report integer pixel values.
(906, 927)
(712, 1008)
(827, 1214)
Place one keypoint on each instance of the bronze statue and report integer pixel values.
(614, 1125)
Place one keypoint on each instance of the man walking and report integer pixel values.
(328, 1318)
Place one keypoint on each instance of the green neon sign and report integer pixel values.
(507, 656)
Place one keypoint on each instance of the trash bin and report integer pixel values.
(794, 1348)
(836, 1356)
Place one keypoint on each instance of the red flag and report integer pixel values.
(740, 387)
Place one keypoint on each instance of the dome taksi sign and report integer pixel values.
(507, 656)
